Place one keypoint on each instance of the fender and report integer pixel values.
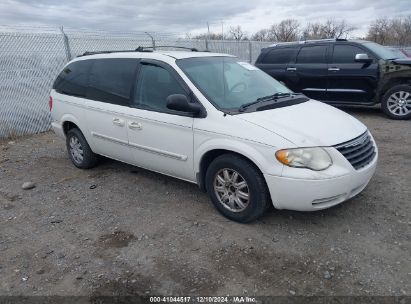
(263, 157)
(392, 73)
(71, 118)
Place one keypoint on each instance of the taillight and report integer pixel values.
(50, 103)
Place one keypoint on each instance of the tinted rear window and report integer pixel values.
(73, 80)
(111, 80)
(280, 55)
(312, 54)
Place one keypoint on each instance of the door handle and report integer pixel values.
(118, 122)
(292, 69)
(334, 69)
(135, 125)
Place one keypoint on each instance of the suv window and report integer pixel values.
(111, 80)
(312, 54)
(346, 53)
(154, 85)
(73, 80)
(280, 55)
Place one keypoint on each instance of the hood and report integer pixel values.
(405, 61)
(311, 123)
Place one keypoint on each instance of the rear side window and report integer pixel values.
(280, 55)
(111, 80)
(346, 53)
(155, 84)
(312, 54)
(73, 80)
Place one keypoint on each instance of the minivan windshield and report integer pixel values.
(230, 83)
(384, 52)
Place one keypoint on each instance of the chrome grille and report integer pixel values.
(359, 151)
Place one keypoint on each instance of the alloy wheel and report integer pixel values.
(399, 103)
(231, 190)
(76, 150)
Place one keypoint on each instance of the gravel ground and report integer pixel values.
(122, 230)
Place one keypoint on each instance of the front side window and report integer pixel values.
(73, 80)
(346, 53)
(111, 80)
(154, 85)
(312, 54)
(228, 82)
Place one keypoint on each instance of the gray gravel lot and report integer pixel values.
(122, 230)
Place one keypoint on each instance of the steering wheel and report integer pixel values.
(243, 84)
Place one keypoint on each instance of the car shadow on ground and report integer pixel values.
(270, 217)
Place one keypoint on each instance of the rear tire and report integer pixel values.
(79, 150)
(396, 102)
(237, 188)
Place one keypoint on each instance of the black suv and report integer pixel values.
(343, 72)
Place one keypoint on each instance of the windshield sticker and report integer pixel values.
(247, 66)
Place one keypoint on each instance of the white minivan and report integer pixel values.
(214, 120)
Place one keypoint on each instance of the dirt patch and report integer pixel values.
(117, 239)
(138, 233)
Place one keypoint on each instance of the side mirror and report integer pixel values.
(363, 58)
(179, 102)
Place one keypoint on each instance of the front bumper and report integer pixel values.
(310, 195)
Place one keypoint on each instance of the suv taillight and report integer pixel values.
(50, 103)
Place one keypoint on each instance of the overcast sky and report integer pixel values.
(182, 16)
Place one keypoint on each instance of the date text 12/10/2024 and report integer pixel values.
(199, 299)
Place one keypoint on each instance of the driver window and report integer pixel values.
(154, 85)
(346, 53)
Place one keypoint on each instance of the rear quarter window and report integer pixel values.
(73, 80)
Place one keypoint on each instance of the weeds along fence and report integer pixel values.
(31, 58)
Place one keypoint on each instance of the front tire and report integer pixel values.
(237, 188)
(396, 102)
(79, 150)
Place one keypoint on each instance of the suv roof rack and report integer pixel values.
(139, 49)
(147, 48)
(309, 41)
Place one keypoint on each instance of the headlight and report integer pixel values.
(310, 158)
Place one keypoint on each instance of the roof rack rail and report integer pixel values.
(139, 49)
(309, 41)
(144, 48)
(87, 53)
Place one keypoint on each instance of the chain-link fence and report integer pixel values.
(31, 58)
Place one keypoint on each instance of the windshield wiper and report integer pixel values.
(274, 97)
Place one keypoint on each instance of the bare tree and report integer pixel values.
(261, 35)
(286, 30)
(237, 33)
(337, 29)
(379, 31)
(313, 31)
(329, 29)
(400, 31)
(396, 31)
(210, 36)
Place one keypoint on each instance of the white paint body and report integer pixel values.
(174, 145)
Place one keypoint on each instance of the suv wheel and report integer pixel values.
(79, 151)
(396, 102)
(237, 188)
